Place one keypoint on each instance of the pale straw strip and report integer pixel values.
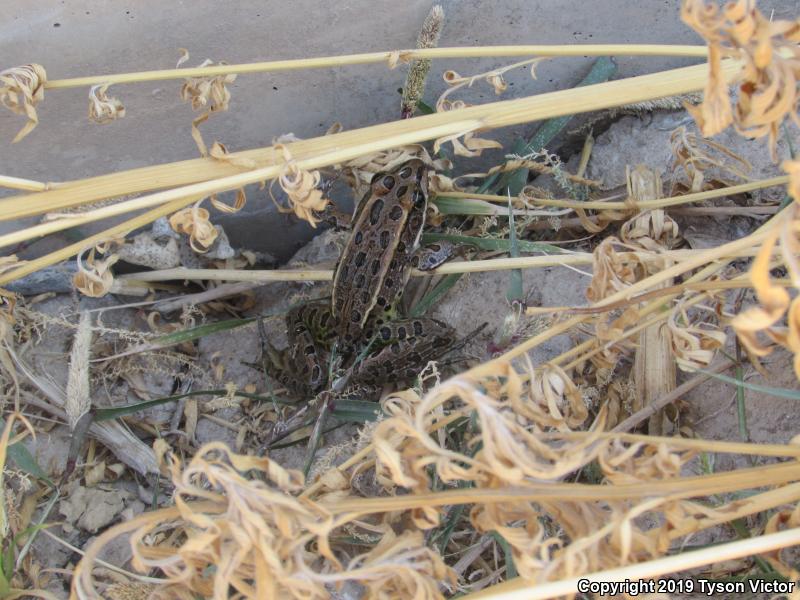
(118, 230)
(475, 266)
(17, 183)
(518, 589)
(641, 205)
(350, 144)
(384, 57)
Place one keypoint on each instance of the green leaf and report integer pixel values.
(444, 286)
(424, 108)
(492, 244)
(356, 411)
(471, 206)
(193, 333)
(513, 182)
(104, 414)
(25, 460)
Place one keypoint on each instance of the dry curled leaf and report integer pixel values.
(694, 346)
(21, 89)
(103, 109)
(94, 279)
(768, 82)
(493, 77)
(305, 199)
(470, 146)
(237, 527)
(774, 301)
(700, 164)
(194, 222)
(209, 94)
(612, 270)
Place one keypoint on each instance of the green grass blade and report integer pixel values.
(772, 391)
(514, 293)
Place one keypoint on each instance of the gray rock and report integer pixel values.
(146, 251)
(55, 278)
(162, 230)
(646, 140)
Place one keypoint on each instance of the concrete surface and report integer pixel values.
(107, 36)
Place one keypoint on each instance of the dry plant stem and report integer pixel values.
(73, 249)
(102, 563)
(384, 57)
(718, 211)
(591, 347)
(518, 589)
(332, 149)
(667, 399)
(701, 286)
(685, 487)
(17, 183)
(679, 443)
(119, 208)
(701, 258)
(642, 205)
(476, 266)
(221, 291)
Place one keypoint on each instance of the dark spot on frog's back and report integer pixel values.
(401, 191)
(396, 213)
(419, 198)
(375, 266)
(355, 316)
(405, 172)
(358, 237)
(364, 298)
(359, 260)
(375, 212)
(417, 328)
(401, 333)
(385, 237)
(386, 333)
(388, 182)
(359, 281)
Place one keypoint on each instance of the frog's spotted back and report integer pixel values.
(375, 264)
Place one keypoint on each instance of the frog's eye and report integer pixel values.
(405, 173)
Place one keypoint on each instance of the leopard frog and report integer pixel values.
(370, 276)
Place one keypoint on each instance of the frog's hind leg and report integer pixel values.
(401, 349)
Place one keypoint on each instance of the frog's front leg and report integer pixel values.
(338, 219)
(433, 255)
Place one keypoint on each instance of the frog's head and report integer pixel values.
(407, 178)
